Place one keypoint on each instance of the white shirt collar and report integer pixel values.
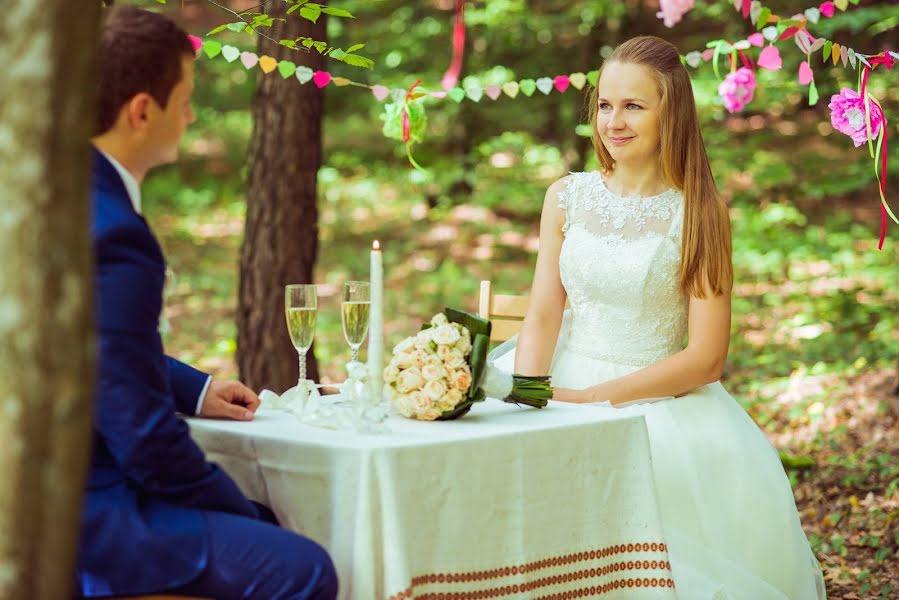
(131, 185)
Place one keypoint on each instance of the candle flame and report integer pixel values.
(376, 245)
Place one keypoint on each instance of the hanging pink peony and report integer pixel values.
(737, 89)
(847, 115)
(672, 11)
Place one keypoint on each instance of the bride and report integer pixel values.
(642, 251)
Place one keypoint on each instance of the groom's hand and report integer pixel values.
(229, 400)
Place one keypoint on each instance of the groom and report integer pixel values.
(157, 516)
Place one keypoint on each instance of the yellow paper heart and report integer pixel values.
(341, 81)
(578, 80)
(841, 4)
(835, 53)
(267, 64)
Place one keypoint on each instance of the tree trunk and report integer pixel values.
(281, 234)
(46, 325)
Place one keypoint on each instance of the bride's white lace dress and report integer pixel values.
(728, 513)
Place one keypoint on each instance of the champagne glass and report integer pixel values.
(301, 306)
(354, 311)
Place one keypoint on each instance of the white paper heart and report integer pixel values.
(770, 33)
(578, 80)
(694, 58)
(742, 45)
(802, 41)
(852, 58)
(474, 93)
(812, 14)
(230, 53)
(545, 85)
(755, 10)
(304, 74)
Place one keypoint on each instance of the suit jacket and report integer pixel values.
(142, 526)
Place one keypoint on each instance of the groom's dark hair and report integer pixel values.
(140, 51)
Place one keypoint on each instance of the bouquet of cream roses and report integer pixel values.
(442, 371)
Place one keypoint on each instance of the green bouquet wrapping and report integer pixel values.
(442, 371)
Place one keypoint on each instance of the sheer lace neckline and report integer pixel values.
(601, 181)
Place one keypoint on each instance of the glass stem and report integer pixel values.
(302, 378)
(355, 353)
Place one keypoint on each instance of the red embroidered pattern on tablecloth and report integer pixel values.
(582, 572)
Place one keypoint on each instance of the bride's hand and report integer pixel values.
(568, 395)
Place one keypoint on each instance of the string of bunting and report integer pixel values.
(856, 114)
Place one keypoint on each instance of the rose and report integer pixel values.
(435, 390)
(461, 379)
(737, 89)
(403, 360)
(455, 360)
(432, 372)
(408, 380)
(446, 334)
(391, 372)
(451, 399)
(419, 400)
(847, 115)
(421, 358)
(405, 346)
(443, 353)
(405, 405)
(423, 339)
(464, 344)
(439, 319)
(432, 414)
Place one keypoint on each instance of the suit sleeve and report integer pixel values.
(187, 384)
(135, 413)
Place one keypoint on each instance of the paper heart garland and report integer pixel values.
(248, 60)
(380, 92)
(578, 80)
(321, 78)
(561, 83)
(267, 64)
(510, 89)
(304, 74)
(527, 86)
(805, 73)
(211, 48)
(770, 58)
(474, 93)
(545, 85)
(493, 91)
(286, 68)
(457, 94)
(756, 39)
(592, 77)
(230, 53)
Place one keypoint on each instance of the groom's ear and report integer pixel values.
(137, 111)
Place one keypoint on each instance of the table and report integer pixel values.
(507, 502)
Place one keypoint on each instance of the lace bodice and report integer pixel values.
(619, 263)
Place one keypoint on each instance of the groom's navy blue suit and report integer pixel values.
(157, 515)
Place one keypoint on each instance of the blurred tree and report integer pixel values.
(46, 328)
(281, 233)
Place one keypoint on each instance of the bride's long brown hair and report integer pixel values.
(706, 246)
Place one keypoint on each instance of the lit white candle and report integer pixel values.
(376, 324)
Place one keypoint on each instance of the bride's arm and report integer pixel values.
(537, 339)
(701, 362)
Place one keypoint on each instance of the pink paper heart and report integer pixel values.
(756, 39)
(708, 54)
(249, 59)
(380, 92)
(438, 94)
(195, 42)
(770, 59)
(805, 73)
(493, 91)
(561, 82)
(321, 78)
(826, 9)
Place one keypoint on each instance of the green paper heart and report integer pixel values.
(812, 94)
(593, 77)
(474, 93)
(457, 94)
(763, 18)
(578, 80)
(528, 86)
(212, 48)
(230, 53)
(303, 74)
(286, 68)
(828, 46)
(510, 89)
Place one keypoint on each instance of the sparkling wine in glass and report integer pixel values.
(301, 306)
(354, 311)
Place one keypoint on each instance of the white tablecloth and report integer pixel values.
(506, 502)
